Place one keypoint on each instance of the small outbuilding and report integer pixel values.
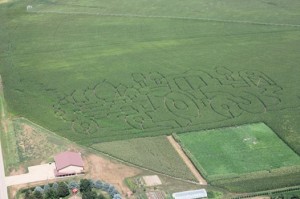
(195, 194)
(68, 163)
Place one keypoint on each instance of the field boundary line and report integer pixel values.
(167, 17)
(269, 192)
(186, 160)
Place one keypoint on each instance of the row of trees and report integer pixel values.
(86, 187)
(54, 191)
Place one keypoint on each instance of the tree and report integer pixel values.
(27, 194)
(89, 195)
(46, 187)
(98, 184)
(117, 196)
(62, 190)
(295, 197)
(51, 194)
(100, 196)
(105, 186)
(85, 186)
(38, 195)
(92, 183)
(39, 189)
(73, 185)
(54, 186)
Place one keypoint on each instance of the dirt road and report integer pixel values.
(187, 161)
(3, 187)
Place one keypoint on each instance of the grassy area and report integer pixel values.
(7, 136)
(95, 78)
(28, 144)
(154, 153)
(229, 153)
(36, 144)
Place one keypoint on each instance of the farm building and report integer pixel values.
(68, 163)
(195, 194)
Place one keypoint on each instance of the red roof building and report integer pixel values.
(68, 163)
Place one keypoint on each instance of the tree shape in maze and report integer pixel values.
(155, 102)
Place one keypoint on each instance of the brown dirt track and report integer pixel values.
(187, 161)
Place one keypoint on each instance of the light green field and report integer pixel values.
(238, 150)
(243, 159)
(154, 153)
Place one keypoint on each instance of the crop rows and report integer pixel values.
(156, 102)
(154, 153)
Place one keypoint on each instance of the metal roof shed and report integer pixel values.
(200, 193)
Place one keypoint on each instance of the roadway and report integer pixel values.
(3, 187)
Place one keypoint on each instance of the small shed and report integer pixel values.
(68, 163)
(195, 194)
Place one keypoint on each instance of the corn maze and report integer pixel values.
(155, 103)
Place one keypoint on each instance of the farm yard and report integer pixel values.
(121, 75)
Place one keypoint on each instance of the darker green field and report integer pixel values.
(94, 72)
(239, 153)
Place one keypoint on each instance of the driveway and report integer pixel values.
(35, 173)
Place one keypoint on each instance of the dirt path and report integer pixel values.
(187, 161)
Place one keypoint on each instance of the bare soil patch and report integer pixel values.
(18, 171)
(152, 180)
(187, 161)
(109, 171)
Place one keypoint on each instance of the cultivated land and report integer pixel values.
(95, 78)
(100, 71)
(232, 152)
(155, 153)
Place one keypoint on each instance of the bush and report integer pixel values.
(117, 196)
(51, 194)
(38, 195)
(89, 195)
(55, 186)
(39, 189)
(98, 184)
(85, 185)
(73, 185)
(62, 190)
(47, 187)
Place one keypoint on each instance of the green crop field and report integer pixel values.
(154, 153)
(233, 152)
(96, 71)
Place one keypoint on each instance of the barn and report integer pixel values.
(195, 194)
(68, 163)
